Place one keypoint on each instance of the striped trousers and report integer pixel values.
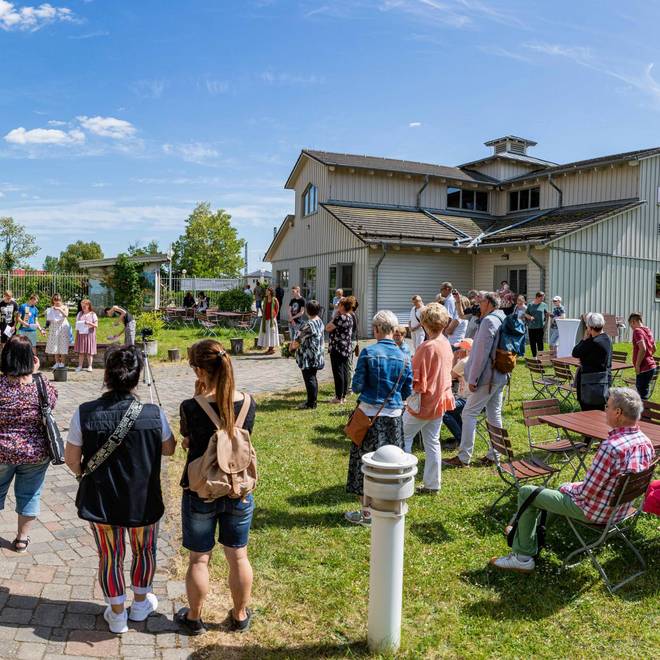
(111, 545)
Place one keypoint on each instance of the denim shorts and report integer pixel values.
(199, 520)
(28, 483)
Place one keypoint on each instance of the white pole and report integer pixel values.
(385, 581)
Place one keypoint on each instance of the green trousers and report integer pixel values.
(549, 500)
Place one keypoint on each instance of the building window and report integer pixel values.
(340, 277)
(657, 286)
(283, 278)
(470, 200)
(308, 283)
(516, 276)
(310, 200)
(520, 200)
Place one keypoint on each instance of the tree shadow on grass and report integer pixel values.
(431, 533)
(324, 496)
(291, 519)
(321, 650)
(330, 436)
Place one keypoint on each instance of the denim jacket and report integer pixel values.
(376, 372)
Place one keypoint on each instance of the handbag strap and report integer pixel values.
(116, 438)
(532, 496)
(42, 392)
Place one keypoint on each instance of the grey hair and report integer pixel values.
(628, 400)
(595, 320)
(385, 321)
(491, 297)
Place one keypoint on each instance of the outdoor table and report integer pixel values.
(575, 362)
(593, 424)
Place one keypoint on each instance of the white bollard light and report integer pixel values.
(389, 480)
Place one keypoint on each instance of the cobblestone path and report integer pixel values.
(51, 605)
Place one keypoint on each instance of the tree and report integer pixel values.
(74, 253)
(210, 246)
(128, 283)
(150, 249)
(15, 243)
(51, 264)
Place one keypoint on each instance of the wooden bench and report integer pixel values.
(72, 358)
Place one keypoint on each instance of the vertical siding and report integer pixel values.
(621, 277)
(503, 168)
(485, 263)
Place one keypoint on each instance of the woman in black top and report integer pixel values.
(340, 349)
(230, 518)
(123, 494)
(8, 311)
(595, 355)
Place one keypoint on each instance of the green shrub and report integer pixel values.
(153, 320)
(234, 300)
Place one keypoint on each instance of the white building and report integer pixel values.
(385, 229)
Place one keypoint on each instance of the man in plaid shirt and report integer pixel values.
(626, 449)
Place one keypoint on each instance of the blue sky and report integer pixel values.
(117, 116)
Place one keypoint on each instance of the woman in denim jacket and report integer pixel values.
(377, 371)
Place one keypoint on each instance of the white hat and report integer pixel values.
(556, 298)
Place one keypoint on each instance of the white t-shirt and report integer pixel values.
(74, 436)
(415, 316)
(371, 410)
(459, 332)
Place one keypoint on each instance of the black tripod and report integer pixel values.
(148, 376)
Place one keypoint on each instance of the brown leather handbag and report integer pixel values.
(359, 423)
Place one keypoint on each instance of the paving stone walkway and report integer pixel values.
(51, 605)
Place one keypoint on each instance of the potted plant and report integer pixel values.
(149, 329)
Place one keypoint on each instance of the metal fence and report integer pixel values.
(71, 286)
(172, 291)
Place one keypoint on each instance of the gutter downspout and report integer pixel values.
(561, 194)
(538, 265)
(421, 190)
(376, 268)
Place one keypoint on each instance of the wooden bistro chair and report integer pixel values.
(619, 356)
(632, 382)
(209, 327)
(629, 492)
(651, 412)
(552, 443)
(564, 377)
(546, 358)
(514, 472)
(544, 386)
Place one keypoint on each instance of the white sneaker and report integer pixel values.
(140, 611)
(89, 369)
(512, 562)
(78, 368)
(116, 622)
(358, 518)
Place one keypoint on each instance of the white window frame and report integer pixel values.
(311, 194)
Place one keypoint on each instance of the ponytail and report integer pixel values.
(210, 356)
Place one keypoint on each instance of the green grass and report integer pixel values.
(312, 569)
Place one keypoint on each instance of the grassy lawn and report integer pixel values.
(312, 568)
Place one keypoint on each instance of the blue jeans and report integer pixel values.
(200, 519)
(28, 483)
(453, 421)
(643, 383)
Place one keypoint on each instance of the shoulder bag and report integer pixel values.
(114, 441)
(594, 388)
(53, 435)
(359, 423)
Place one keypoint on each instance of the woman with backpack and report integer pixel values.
(216, 408)
(114, 447)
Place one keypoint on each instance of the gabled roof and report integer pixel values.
(590, 162)
(554, 224)
(507, 155)
(402, 226)
(512, 138)
(387, 165)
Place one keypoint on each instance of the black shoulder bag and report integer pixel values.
(117, 437)
(55, 442)
(540, 528)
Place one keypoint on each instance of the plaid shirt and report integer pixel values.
(625, 450)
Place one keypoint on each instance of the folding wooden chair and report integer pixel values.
(544, 386)
(514, 472)
(565, 448)
(632, 382)
(208, 327)
(564, 376)
(629, 488)
(619, 356)
(546, 358)
(651, 412)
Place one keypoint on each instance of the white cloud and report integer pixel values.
(415, 124)
(193, 152)
(21, 136)
(215, 87)
(149, 89)
(111, 127)
(283, 78)
(89, 35)
(57, 122)
(503, 52)
(30, 18)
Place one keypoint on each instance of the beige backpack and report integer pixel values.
(228, 467)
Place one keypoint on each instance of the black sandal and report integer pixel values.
(240, 626)
(23, 543)
(192, 627)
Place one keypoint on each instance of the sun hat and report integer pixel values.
(465, 344)
(557, 299)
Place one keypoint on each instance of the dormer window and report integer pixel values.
(471, 200)
(521, 200)
(310, 200)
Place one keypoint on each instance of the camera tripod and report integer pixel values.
(148, 376)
